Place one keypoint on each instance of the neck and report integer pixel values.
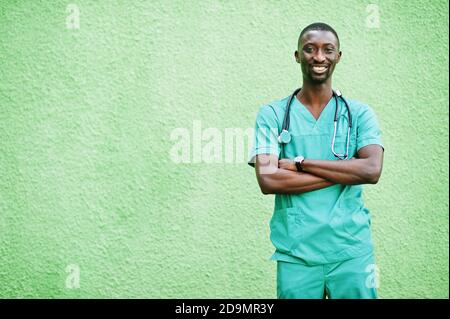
(315, 95)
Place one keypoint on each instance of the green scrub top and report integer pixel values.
(330, 224)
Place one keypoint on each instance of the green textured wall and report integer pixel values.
(91, 201)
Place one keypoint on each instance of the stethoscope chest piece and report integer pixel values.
(284, 137)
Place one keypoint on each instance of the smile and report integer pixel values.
(319, 69)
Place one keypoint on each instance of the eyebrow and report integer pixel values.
(310, 43)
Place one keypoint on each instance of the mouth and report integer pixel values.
(319, 69)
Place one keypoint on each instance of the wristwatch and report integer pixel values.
(298, 163)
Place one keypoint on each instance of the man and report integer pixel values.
(320, 227)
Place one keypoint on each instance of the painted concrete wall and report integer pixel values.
(94, 93)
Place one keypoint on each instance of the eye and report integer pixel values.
(308, 49)
(329, 50)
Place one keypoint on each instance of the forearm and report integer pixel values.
(284, 181)
(349, 172)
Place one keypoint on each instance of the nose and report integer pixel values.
(319, 56)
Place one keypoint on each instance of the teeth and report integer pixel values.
(319, 68)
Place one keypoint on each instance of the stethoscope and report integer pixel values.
(285, 136)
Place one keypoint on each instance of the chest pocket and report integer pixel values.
(340, 144)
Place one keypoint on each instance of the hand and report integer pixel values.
(288, 164)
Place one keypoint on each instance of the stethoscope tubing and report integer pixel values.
(336, 95)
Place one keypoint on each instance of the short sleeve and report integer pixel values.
(265, 139)
(368, 131)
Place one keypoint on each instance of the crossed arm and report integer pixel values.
(281, 177)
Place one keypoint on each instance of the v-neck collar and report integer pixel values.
(308, 115)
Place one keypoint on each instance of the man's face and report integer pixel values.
(318, 53)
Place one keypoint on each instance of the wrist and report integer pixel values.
(302, 165)
(298, 161)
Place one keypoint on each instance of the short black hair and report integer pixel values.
(319, 26)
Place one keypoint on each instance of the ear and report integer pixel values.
(297, 57)
(339, 56)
